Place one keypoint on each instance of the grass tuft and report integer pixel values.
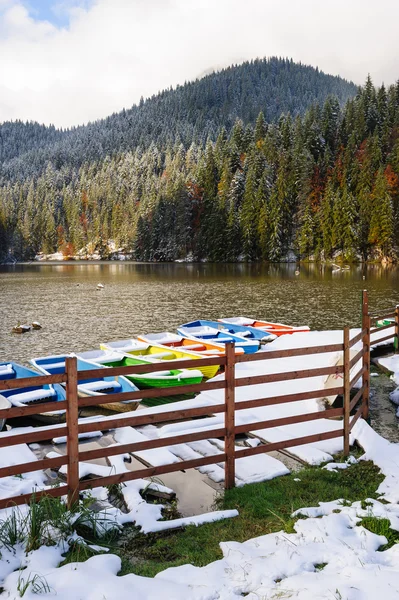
(381, 526)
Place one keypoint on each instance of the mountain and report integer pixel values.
(196, 174)
(191, 113)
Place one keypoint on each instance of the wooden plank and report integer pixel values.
(72, 415)
(385, 315)
(288, 376)
(31, 437)
(155, 418)
(151, 393)
(229, 417)
(55, 492)
(31, 409)
(288, 353)
(321, 393)
(12, 384)
(325, 414)
(189, 413)
(275, 446)
(366, 367)
(357, 397)
(133, 447)
(384, 339)
(347, 389)
(357, 338)
(163, 365)
(382, 328)
(357, 376)
(152, 471)
(356, 417)
(356, 358)
(45, 463)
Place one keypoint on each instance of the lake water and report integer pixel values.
(139, 298)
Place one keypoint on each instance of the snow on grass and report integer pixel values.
(383, 453)
(329, 555)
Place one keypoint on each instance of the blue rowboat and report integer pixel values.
(213, 331)
(97, 386)
(33, 394)
(247, 331)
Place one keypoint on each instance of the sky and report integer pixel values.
(68, 62)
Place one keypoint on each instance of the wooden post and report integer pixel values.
(229, 417)
(73, 430)
(396, 338)
(365, 307)
(347, 390)
(366, 366)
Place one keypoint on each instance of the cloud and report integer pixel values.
(115, 51)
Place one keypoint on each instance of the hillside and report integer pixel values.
(322, 185)
(191, 113)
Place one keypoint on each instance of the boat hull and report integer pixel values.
(211, 332)
(51, 365)
(276, 329)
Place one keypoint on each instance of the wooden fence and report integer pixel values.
(229, 408)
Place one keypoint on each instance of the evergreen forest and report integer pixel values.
(262, 161)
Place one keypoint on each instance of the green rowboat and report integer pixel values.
(158, 379)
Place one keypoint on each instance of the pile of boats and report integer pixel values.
(193, 340)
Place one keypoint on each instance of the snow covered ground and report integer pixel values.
(330, 555)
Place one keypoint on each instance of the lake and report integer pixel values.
(139, 298)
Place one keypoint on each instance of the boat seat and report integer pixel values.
(100, 386)
(54, 365)
(33, 396)
(155, 374)
(197, 347)
(6, 371)
(156, 355)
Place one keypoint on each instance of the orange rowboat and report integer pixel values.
(172, 340)
(275, 328)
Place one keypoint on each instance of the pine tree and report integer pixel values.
(381, 222)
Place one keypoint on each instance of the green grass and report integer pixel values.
(381, 527)
(263, 508)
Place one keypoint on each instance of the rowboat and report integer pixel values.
(33, 394)
(124, 345)
(212, 331)
(143, 350)
(172, 340)
(275, 328)
(158, 379)
(97, 386)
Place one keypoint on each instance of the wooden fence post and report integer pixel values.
(347, 390)
(229, 417)
(396, 338)
(366, 324)
(365, 307)
(72, 412)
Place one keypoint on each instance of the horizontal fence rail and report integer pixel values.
(228, 406)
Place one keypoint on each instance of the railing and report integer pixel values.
(229, 408)
(391, 314)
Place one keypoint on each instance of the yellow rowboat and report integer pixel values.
(173, 340)
(159, 352)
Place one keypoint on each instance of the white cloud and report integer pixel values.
(118, 50)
